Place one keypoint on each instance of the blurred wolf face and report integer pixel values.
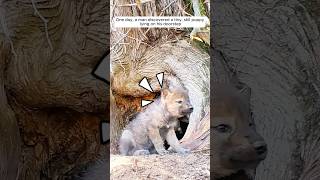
(236, 143)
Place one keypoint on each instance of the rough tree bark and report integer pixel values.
(10, 138)
(274, 47)
(49, 101)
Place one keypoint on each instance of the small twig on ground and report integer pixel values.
(201, 150)
(45, 21)
(135, 165)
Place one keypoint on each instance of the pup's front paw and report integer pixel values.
(183, 151)
(162, 152)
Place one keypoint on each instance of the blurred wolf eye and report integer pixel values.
(223, 128)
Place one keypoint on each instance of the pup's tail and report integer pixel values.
(126, 143)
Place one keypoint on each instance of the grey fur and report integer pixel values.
(146, 133)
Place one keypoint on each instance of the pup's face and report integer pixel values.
(177, 102)
(237, 145)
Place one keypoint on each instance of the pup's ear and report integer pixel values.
(165, 92)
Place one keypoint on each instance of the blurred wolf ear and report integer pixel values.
(241, 87)
(244, 90)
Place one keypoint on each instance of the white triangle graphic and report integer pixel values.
(103, 68)
(105, 130)
(160, 78)
(145, 102)
(145, 84)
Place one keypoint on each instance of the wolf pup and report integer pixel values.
(147, 132)
(236, 145)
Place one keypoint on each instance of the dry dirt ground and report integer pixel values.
(194, 166)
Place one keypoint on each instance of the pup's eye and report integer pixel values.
(251, 124)
(223, 128)
(179, 101)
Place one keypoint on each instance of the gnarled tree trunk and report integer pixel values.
(274, 48)
(50, 104)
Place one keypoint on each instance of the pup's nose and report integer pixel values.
(260, 147)
(191, 109)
